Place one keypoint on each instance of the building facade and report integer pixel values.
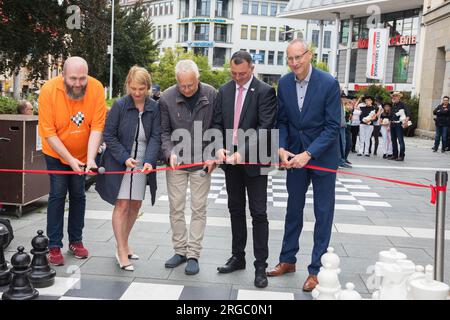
(217, 28)
(435, 75)
(353, 19)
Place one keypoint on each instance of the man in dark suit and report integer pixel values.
(308, 122)
(245, 103)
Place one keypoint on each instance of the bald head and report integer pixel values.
(75, 64)
(75, 73)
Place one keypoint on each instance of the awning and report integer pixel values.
(326, 9)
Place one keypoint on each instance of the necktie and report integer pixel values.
(237, 113)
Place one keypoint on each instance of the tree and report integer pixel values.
(164, 70)
(132, 42)
(91, 40)
(29, 33)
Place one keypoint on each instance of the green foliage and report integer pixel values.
(132, 42)
(110, 102)
(29, 32)
(413, 104)
(163, 71)
(322, 66)
(8, 105)
(376, 91)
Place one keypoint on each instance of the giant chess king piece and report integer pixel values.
(5, 275)
(20, 287)
(42, 275)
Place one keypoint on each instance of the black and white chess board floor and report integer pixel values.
(75, 288)
(351, 194)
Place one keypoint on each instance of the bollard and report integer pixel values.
(439, 240)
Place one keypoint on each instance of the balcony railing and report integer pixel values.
(220, 38)
(201, 37)
(223, 14)
(205, 12)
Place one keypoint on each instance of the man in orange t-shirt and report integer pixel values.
(72, 112)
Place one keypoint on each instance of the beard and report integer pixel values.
(71, 92)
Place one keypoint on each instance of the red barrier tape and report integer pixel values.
(434, 189)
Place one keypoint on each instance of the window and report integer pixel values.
(282, 8)
(201, 32)
(325, 58)
(273, 34)
(219, 57)
(166, 11)
(203, 8)
(252, 53)
(264, 8)
(244, 32)
(273, 9)
(171, 8)
(161, 9)
(262, 54)
(401, 64)
(220, 33)
(271, 79)
(183, 33)
(263, 33)
(327, 39)
(245, 7)
(151, 11)
(315, 38)
(170, 31)
(164, 32)
(159, 32)
(255, 7)
(271, 58)
(344, 33)
(281, 34)
(254, 33)
(280, 58)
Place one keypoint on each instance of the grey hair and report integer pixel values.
(187, 66)
(300, 41)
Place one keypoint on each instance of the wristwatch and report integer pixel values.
(308, 153)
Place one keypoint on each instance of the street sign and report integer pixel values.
(257, 57)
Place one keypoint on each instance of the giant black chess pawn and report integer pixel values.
(5, 275)
(20, 287)
(42, 276)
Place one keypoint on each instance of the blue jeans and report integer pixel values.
(441, 132)
(60, 184)
(397, 134)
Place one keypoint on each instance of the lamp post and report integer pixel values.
(111, 51)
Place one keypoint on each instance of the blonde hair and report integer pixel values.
(139, 75)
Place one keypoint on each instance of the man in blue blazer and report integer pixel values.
(309, 110)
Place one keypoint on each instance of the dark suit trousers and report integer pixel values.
(237, 182)
(298, 181)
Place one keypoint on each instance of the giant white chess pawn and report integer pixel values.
(425, 288)
(349, 293)
(328, 286)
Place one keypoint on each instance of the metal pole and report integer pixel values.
(336, 46)
(111, 51)
(439, 241)
(320, 49)
(349, 55)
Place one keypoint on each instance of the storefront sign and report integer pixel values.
(203, 20)
(208, 44)
(394, 41)
(365, 86)
(376, 53)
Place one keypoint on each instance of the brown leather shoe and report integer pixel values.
(281, 269)
(310, 283)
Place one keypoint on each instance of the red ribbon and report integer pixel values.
(434, 189)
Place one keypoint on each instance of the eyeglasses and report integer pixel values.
(297, 58)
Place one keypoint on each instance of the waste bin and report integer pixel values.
(21, 148)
